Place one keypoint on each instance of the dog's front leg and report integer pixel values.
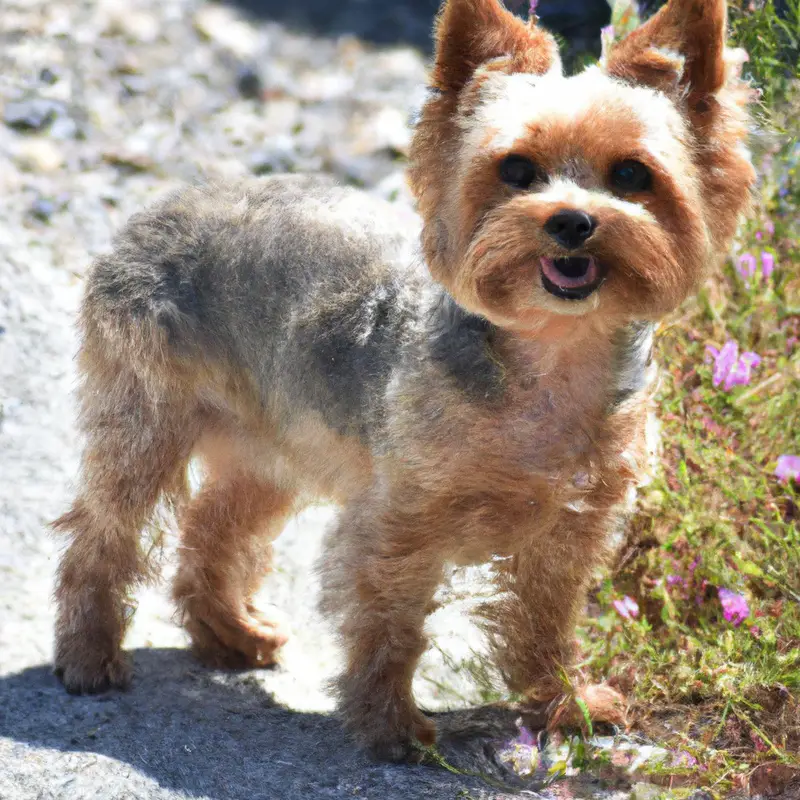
(532, 625)
(379, 575)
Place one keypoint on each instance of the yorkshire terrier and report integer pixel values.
(487, 405)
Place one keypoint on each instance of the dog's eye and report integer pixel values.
(630, 176)
(519, 172)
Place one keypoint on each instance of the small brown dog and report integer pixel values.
(488, 408)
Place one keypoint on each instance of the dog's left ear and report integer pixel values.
(473, 33)
(680, 49)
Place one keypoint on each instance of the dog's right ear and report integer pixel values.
(681, 50)
(473, 33)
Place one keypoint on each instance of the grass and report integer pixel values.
(723, 694)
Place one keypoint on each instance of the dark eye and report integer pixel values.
(519, 172)
(631, 176)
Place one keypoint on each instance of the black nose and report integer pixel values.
(570, 228)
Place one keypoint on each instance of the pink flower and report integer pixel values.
(729, 368)
(769, 227)
(746, 265)
(734, 606)
(767, 264)
(759, 236)
(627, 607)
(788, 469)
(673, 580)
(532, 7)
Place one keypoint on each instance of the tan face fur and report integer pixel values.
(660, 100)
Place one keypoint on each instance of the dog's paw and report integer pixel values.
(86, 675)
(599, 701)
(406, 744)
(235, 643)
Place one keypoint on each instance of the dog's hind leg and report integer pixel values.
(138, 443)
(225, 552)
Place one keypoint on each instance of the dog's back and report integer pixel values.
(302, 285)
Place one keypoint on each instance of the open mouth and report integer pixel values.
(573, 278)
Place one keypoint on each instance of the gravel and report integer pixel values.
(106, 106)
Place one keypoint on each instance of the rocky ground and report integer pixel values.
(105, 106)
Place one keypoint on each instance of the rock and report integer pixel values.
(134, 84)
(118, 19)
(249, 83)
(128, 64)
(645, 791)
(222, 26)
(64, 127)
(111, 196)
(48, 76)
(363, 170)
(33, 114)
(39, 155)
(280, 156)
(43, 208)
(386, 130)
(129, 160)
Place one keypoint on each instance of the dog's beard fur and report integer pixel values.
(459, 415)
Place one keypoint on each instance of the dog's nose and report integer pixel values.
(570, 228)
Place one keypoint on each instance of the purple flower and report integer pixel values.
(724, 360)
(532, 7)
(683, 759)
(521, 752)
(734, 606)
(759, 236)
(767, 264)
(769, 227)
(741, 375)
(788, 469)
(673, 580)
(526, 738)
(627, 607)
(729, 368)
(746, 265)
(607, 36)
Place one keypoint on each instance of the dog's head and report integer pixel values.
(606, 193)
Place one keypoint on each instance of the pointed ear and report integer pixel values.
(471, 33)
(681, 48)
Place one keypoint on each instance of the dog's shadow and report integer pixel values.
(221, 736)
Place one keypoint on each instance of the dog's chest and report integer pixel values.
(547, 431)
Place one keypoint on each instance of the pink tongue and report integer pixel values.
(556, 276)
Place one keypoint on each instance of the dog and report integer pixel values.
(475, 392)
